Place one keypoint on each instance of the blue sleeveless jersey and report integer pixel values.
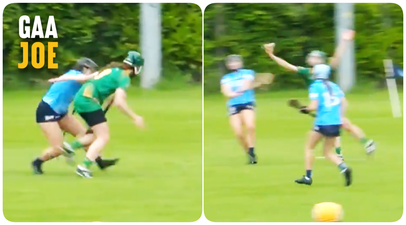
(236, 80)
(329, 103)
(61, 94)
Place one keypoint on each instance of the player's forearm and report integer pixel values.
(344, 106)
(335, 60)
(230, 94)
(123, 107)
(227, 92)
(248, 85)
(312, 106)
(78, 78)
(283, 63)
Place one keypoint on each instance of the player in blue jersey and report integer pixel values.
(317, 58)
(238, 87)
(53, 116)
(329, 102)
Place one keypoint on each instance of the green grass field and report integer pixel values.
(159, 177)
(236, 192)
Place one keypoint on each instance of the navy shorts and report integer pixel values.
(328, 130)
(45, 113)
(235, 109)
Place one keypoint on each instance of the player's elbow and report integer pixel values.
(292, 69)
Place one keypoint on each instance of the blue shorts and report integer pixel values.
(328, 130)
(235, 109)
(46, 114)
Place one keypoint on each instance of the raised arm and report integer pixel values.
(80, 78)
(342, 46)
(281, 62)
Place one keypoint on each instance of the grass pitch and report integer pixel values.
(266, 192)
(159, 177)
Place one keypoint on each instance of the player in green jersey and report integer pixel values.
(88, 104)
(316, 58)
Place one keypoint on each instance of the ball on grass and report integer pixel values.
(327, 212)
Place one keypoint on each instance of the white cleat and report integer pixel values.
(67, 149)
(370, 147)
(83, 172)
(69, 153)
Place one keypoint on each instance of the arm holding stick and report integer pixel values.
(281, 62)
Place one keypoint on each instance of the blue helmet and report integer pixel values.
(321, 71)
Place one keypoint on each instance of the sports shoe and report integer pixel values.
(67, 149)
(105, 163)
(83, 172)
(348, 176)
(252, 159)
(36, 167)
(304, 180)
(370, 146)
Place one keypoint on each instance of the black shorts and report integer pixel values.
(93, 118)
(45, 113)
(235, 109)
(328, 130)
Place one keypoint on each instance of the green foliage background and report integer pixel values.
(105, 32)
(297, 29)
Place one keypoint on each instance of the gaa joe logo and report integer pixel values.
(37, 49)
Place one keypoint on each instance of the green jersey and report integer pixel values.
(94, 92)
(105, 84)
(306, 75)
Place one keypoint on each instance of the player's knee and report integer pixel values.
(105, 137)
(251, 128)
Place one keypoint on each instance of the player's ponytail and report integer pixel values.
(326, 83)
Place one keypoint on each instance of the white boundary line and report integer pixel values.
(392, 88)
(356, 159)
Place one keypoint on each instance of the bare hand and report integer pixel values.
(269, 48)
(139, 122)
(348, 35)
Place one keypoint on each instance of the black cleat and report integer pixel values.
(304, 180)
(105, 163)
(348, 177)
(36, 167)
(252, 159)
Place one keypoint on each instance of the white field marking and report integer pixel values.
(345, 159)
(392, 88)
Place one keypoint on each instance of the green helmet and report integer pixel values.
(134, 59)
(317, 53)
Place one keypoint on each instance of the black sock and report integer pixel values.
(251, 151)
(99, 161)
(308, 173)
(38, 161)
